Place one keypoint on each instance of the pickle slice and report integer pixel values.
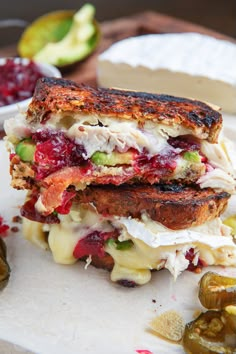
(4, 267)
(212, 332)
(217, 291)
(3, 249)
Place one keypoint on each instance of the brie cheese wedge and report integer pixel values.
(182, 64)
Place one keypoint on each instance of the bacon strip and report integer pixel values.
(55, 184)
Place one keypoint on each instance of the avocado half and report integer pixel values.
(59, 31)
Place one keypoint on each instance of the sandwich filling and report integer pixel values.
(78, 151)
(137, 246)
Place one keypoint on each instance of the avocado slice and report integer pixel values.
(124, 245)
(78, 43)
(192, 156)
(26, 149)
(120, 245)
(51, 27)
(112, 159)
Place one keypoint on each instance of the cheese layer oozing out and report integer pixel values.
(154, 246)
(122, 135)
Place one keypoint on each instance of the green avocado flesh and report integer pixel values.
(112, 159)
(61, 38)
(192, 156)
(49, 28)
(26, 149)
(120, 245)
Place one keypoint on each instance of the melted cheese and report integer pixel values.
(33, 231)
(63, 237)
(154, 246)
(139, 276)
(62, 243)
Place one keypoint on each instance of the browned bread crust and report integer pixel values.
(174, 206)
(106, 262)
(22, 174)
(59, 95)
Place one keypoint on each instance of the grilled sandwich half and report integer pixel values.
(74, 136)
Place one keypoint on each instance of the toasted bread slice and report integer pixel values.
(66, 98)
(174, 206)
(106, 262)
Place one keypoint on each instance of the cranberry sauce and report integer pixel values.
(127, 283)
(185, 143)
(93, 244)
(66, 204)
(157, 167)
(54, 150)
(190, 257)
(17, 81)
(28, 211)
(3, 227)
(164, 164)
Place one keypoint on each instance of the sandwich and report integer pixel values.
(129, 181)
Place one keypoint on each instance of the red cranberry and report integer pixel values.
(3, 227)
(185, 142)
(17, 81)
(54, 150)
(158, 166)
(28, 210)
(190, 256)
(92, 244)
(127, 283)
(66, 204)
(165, 161)
(14, 229)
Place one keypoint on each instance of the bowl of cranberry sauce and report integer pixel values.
(18, 77)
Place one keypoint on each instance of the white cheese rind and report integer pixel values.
(183, 64)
